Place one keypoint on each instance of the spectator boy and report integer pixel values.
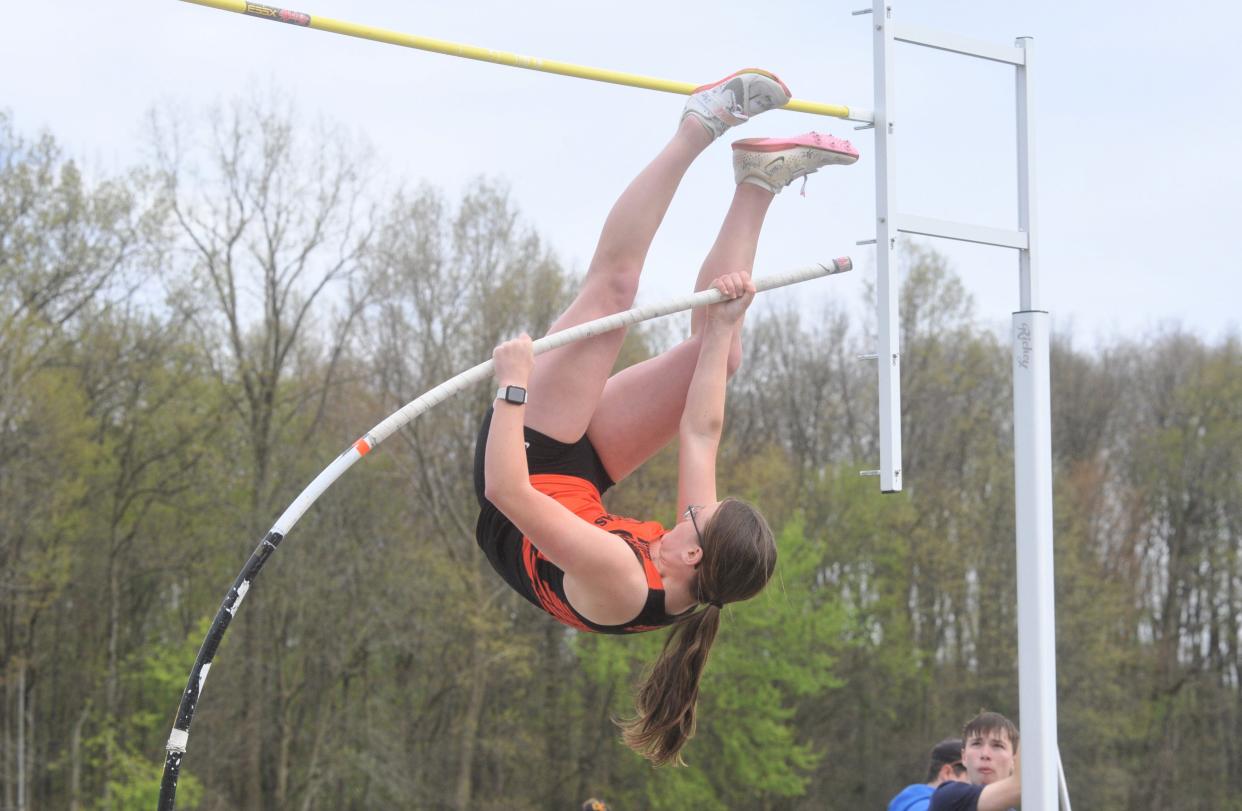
(990, 755)
(945, 764)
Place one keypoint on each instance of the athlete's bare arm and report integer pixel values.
(702, 419)
(576, 547)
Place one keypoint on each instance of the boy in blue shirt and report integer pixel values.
(990, 755)
(945, 764)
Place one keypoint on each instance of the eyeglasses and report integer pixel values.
(689, 513)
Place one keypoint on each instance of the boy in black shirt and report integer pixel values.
(990, 755)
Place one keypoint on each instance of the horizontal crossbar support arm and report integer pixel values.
(964, 232)
(918, 35)
(498, 57)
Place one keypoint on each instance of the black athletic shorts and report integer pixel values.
(496, 535)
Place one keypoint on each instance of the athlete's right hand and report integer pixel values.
(514, 361)
(739, 292)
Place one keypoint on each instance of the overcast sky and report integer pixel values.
(1138, 126)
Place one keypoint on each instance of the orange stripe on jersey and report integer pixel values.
(547, 596)
(582, 498)
(654, 581)
(575, 494)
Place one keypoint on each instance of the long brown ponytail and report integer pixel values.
(739, 554)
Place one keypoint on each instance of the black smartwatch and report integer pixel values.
(512, 394)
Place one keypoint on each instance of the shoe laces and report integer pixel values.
(732, 104)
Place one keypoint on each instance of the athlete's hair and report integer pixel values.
(989, 723)
(739, 554)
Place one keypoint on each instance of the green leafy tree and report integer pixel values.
(65, 242)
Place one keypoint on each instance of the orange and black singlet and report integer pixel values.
(573, 475)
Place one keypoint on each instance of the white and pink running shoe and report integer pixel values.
(774, 163)
(734, 99)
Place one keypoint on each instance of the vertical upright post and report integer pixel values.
(1028, 278)
(1032, 425)
(888, 349)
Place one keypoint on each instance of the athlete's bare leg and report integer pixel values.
(567, 383)
(641, 406)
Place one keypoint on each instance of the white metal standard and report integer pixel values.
(1032, 460)
(1028, 278)
(1041, 767)
(888, 349)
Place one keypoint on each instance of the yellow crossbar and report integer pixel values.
(486, 54)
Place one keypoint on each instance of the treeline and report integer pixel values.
(183, 347)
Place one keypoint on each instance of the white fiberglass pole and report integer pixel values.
(483, 371)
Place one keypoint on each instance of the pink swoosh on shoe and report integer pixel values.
(814, 140)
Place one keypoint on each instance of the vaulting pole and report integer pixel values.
(497, 57)
(180, 735)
